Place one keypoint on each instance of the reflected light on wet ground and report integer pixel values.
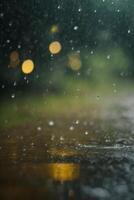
(92, 160)
(63, 171)
(55, 171)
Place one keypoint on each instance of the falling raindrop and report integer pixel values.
(52, 137)
(51, 123)
(32, 144)
(71, 128)
(80, 9)
(98, 97)
(39, 128)
(108, 57)
(21, 137)
(129, 31)
(76, 28)
(13, 96)
(77, 122)
(86, 132)
(61, 138)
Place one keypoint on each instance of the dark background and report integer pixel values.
(25, 27)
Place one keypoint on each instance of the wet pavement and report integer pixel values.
(85, 158)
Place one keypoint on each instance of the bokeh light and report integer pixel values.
(27, 66)
(55, 47)
(74, 61)
(54, 29)
(14, 59)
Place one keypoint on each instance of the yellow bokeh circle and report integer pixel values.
(55, 47)
(74, 61)
(27, 66)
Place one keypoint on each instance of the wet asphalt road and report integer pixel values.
(71, 159)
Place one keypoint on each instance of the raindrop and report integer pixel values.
(1, 15)
(3, 86)
(52, 137)
(8, 41)
(59, 7)
(39, 128)
(114, 84)
(10, 24)
(129, 31)
(61, 138)
(85, 123)
(77, 122)
(86, 132)
(13, 96)
(51, 123)
(71, 128)
(79, 10)
(14, 84)
(98, 97)
(76, 28)
(108, 57)
(19, 46)
(24, 149)
(32, 144)
(21, 137)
